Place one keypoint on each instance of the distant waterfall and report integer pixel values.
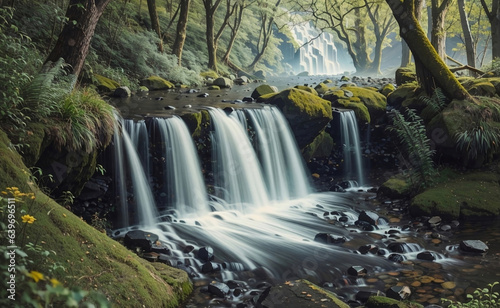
(353, 163)
(281, 161)
(318, 54)
(182, 173)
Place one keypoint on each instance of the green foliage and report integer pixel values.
(436, 102)
(412, 134)
(481, 298)
(493, 67)
(25, 276)
(85, 123)
(479, 141)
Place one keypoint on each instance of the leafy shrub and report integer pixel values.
(412, 135)
(493, 67)
(481, 298)
(479, 141)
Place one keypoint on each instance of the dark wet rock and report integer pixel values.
(426, 255)
(364, 295)
(150, 256)
(369, 216)
(233, 266)
(191, 91)
(188, 269)
(348, 184)
(210, 267)
(169, 108)
(218, 289)
(357, 271)
(122, 92)
(327, 238)
(473, 246)
(259, 298)
(248, 99)
(397, 247)
(140, 239)
(188, 249)
(365, 226)
(160, 98)
(398, 292)
(395, 257)
(160, 247)
(337, 188)
(228, 110)
(202, 95)
(206, 253)
(369, 248)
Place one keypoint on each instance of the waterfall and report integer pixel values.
(238, 176)
(282, 165)
(129, 167)
(182, 173)
(139, 136)
(353, 164)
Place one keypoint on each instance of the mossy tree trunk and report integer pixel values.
(405, 50)
(155, 22)
(74, 40)
(438, 33)
(180, 34)
(431, 69)
(494, 18)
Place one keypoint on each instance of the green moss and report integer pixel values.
(321, 146)
(405, 75)
(157, 83)
(395, 187)
(337, 302)
(387, 89)
(193, 122)
(209, 74)
(262, 91)
(479, 87)
(403, 93)
(472, 195)
(213, 87)
(91, 259)
(321, 88)
(385, 302)
(307, 89)
(327, 81)
(105, 84)
(374, 101)
(354, 103)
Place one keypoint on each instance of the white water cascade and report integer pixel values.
(353, 163)
(318, 54)
(182, 173)
(282, 165)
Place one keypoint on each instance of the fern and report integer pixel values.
(479, 141)
(437, 101)
(412, 134)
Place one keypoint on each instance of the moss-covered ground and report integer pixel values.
(90, 259)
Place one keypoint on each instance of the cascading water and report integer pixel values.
(133, 170)
(138, 133)
(182, 173)
(353, 163)
(281, 162)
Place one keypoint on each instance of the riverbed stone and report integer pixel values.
(398, 292)
(473, 246)
(223, 82)
(327, 238)
(218, 289)
(140, 239)
(122, 91)
(206, 253)
(369, 216)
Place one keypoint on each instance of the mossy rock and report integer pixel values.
(408, 91)
(193, 122)
(157, 83)
(471, 195)
(223, 82)
(213, 87)
(321, 147)
(479, 87)
(321, 88)
(34, 137)
(405, 75)
(355, 104)
(334, 94)
(374, 101)
(263, 89)
(105, 84)
(327, 81)
(307, 89)
(209, 74)
(143, 89)
(395, 188)
(386, 302)
(90, 259)
(307, 114)
(344, 78)
(387, 89)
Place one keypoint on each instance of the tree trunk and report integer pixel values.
(155, 22)
(431, 69)
(470, 49)
(180, 35)
(494, 18)
(235, 27)
(74, 40)
(438, 33)
(405, 50)
(210, 9)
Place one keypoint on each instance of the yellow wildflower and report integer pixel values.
(4, 192)
(37, 276)
(55, 282)
(28, 219)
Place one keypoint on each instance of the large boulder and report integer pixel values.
(157, 83)
(105, 84)
(321, 147)
(263, 89)
(223, 82)
(405, 74)
(308, 114)
(373, 100)
(472, 195)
